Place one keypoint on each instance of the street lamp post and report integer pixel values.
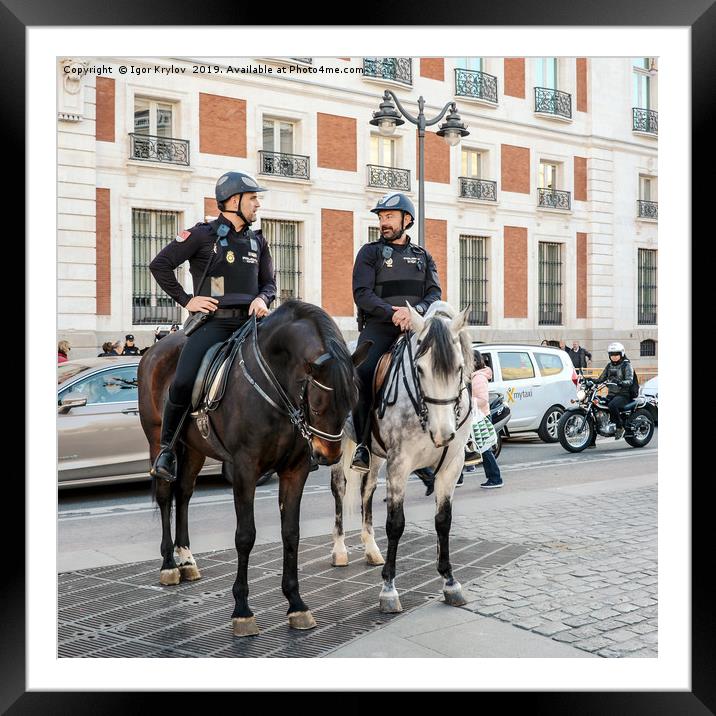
(452, 130)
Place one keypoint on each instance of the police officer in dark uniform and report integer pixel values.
(129, 348)
(240, 282)
(386, 274)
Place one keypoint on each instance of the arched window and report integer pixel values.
(647, 348)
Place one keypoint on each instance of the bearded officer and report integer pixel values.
(386, 274)
(240, 281)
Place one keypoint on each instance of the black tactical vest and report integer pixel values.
(234, 274)
(401, 274)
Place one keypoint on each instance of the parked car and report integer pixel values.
(99, 436)
(538, 383)
(651, 387)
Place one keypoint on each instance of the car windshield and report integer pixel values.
(66, 371)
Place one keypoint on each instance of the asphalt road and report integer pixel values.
(118, 525)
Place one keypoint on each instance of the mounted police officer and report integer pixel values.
(620, 374)
(233, 278)
(387, 273)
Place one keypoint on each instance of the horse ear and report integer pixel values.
(460, 321)
(361, 353)
(417, 322)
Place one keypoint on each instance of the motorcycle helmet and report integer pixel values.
(616, 349)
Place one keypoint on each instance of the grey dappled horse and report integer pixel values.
(424, 423)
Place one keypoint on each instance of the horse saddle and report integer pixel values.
(211, 379)
(382, 370)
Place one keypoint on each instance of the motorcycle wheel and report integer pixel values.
(569, 438)
(642, 426)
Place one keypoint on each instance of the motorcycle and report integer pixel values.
(500, 416)
(580, 423)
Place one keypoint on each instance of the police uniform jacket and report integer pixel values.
(386, 275)
(241, 268)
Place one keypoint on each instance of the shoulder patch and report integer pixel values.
(183, 235)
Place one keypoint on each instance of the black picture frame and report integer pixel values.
(17, 15)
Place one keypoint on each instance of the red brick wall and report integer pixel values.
(581, 84)
(433, 68)
(210, 207)
(515, 279)
(515, 77)
(515, 169)
(581, 275)
(104, 125)
(222, 125)
(337, 261)
(437, 158)
(103, 260)
(436, 244)
(580, 179)
(337, 142)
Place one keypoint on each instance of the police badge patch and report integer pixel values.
(184, 235)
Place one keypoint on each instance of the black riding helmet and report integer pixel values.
(235, 183)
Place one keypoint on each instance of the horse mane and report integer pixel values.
(439, 339)
(340, 373)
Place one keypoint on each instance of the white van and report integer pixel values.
(538, 382)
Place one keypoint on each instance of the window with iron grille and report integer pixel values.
(550, 283)
(473, 278)
(647, 348)
(285, 244)
(647, 286)
(373, 233)
(151, 232)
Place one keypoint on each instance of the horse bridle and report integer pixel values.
(419, 403)
(297, 415)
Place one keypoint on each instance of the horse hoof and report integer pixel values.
(244, 626)
(390, 603)
(301, 620)
(339, 559)
(453, 596)
(189, 572)
(374, 559)
(169, 577)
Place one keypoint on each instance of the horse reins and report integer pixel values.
(296, 415)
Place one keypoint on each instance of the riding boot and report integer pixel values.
(361, 458)
(165, 466)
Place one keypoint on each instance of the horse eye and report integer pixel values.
(420, 370)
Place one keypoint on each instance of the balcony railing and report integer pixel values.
(475, 84)
(471, 188)
(150, 148)
(280, 164)
(645, 120)
(388, 177)
(306, 60)
(648, 209)
(552, 101)
(554, 199)
(397, 69)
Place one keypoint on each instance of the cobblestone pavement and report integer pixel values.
(590, 579)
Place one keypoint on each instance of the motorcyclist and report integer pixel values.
(620, 375)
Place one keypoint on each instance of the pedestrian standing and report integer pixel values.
(481, 399)
(129, 348)
(63, 349)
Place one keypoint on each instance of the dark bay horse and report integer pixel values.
(288, 394)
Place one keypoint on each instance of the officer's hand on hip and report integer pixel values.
(258, 307)
(205, 304)
(401, 317)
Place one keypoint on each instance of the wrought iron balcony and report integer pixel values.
(150, 148)
(554, 199)
(471, 188)
(477, 85)
(645, 120)
(388, 177)
(307, 60)
(648, 209)
(552, 101)
(296, 166)
(397, 69)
